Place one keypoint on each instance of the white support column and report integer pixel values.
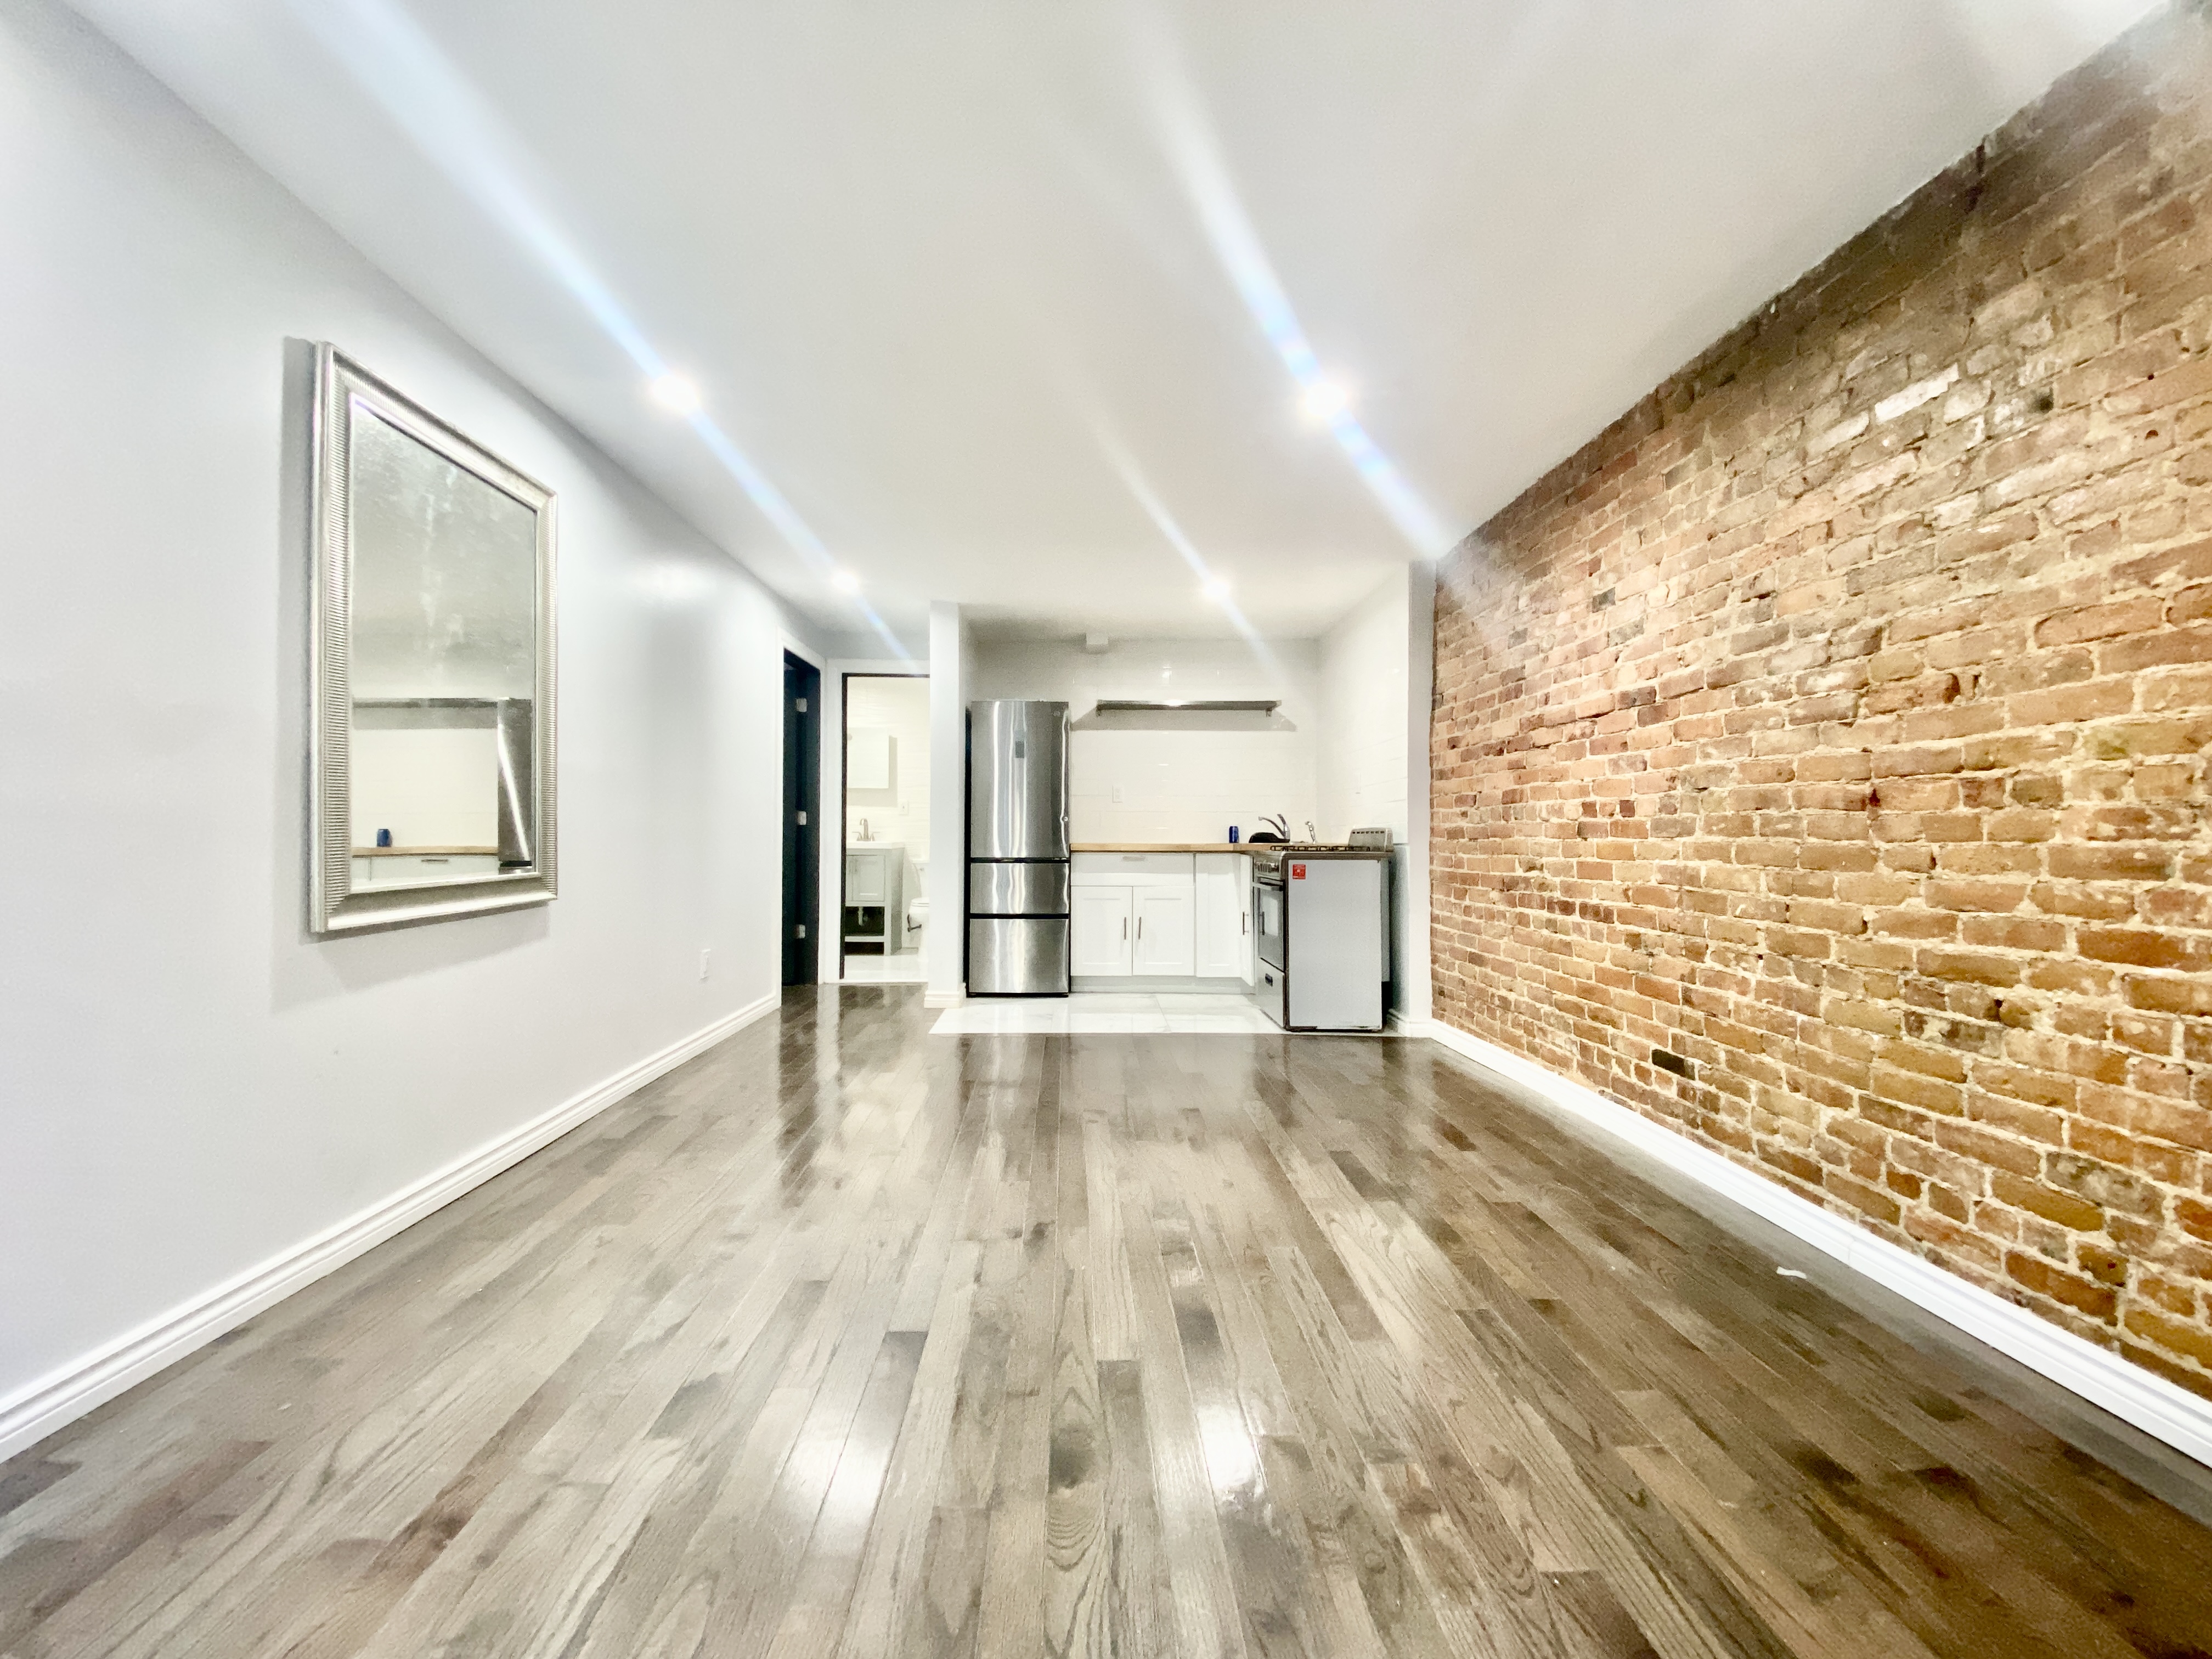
(951, 660)
(1415, 1006)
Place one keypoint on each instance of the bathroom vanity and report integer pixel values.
(875, 896)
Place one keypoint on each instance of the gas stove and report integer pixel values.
(1269, 857)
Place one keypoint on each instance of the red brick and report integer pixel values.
(2100, 621)
(2191, 644)
(2142, 947)
(2171, 1335)
(2099, 1301)
(1892, 815)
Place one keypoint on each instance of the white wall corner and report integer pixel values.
(952, 664)
(1414, 992)
(2162, 1409)
(51, 1402)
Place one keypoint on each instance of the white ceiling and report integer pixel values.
(956, 279)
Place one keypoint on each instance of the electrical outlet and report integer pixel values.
(1117, 794)
(706, 963)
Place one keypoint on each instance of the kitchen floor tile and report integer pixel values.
(1250, 1023)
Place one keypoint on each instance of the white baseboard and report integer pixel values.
(34, 1412)
(2154, 1405)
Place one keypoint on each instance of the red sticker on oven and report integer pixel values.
(1298, 872)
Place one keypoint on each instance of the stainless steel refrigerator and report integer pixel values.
(1018, 849)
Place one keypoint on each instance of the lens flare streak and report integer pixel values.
(1197, 158)
(1215, 587)
(459, 132)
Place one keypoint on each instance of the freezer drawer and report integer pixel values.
(1017, 956)
(1018, 889)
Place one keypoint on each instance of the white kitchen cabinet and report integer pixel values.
(1222, 936)
(1101, 925)
(1164, 939)
(1162, 916)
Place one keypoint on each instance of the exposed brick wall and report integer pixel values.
(1832, 730)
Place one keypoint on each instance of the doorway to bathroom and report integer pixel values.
(883, 902)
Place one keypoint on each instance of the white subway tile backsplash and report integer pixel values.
(1173, 784)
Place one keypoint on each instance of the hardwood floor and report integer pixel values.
(847, 1340)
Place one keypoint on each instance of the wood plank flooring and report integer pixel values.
(847, 1340)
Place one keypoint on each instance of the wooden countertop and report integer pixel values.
(1164, 847)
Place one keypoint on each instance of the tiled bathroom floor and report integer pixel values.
(906, 968)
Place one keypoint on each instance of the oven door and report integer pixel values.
(1267, 923)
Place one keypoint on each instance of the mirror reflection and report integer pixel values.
(442, 665)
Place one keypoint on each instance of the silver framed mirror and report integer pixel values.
(431, 774)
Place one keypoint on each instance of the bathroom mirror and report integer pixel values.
(431, 784)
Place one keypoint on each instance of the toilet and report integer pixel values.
(917, 909)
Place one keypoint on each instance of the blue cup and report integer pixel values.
(1233, 834)
(384, 838)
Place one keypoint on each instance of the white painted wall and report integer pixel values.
(1411, 992)
(190, 1087)
(951, 679)
(1374, 753)
(1361, 763)
(1170, 782)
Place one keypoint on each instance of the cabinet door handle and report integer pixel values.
(1243, 924)
(1140, 927)
(1125, 927)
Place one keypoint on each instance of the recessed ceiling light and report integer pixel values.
(676, 392)
(1216, 588)
(845, 582)
(1324, 400)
